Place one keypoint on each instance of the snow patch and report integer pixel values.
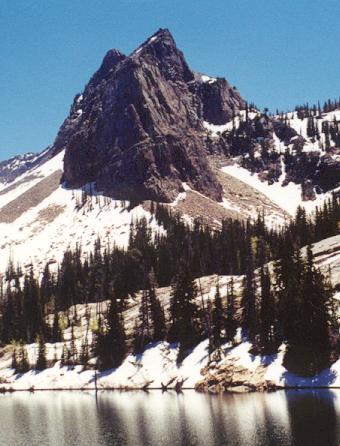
(286, 197)
(217, 129)
(208, 79)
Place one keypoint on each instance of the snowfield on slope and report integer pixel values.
(43, 232)
(287, 197)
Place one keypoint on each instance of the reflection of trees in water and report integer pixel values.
(294, 418)
(276, 426)
(111, 422)
(64, 418)
(313, 418)
(250, 419)
(217, 420)
(259, 419)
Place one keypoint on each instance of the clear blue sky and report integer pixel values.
(277, 52)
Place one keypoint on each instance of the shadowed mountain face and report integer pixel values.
(137, 129)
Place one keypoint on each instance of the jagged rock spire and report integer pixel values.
(137, 129)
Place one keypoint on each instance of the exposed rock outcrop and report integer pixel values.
(233, 379)
(18, 165)
(137, 129)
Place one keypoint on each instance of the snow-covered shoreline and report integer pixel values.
(157, 367)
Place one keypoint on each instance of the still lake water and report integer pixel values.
(301, 418)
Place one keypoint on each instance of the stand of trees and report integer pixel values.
(292, 304)
(289, 302)
(307, 110)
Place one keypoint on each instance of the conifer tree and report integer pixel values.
(64, 355)
(56, 331)
(46, 288)
(85, 353)
(267, 313)
(23, 365)
(143, 335)
(14, 360)
(248, 301)
(111, 345)
(184, 311)
(156, 311)
(41, 360)
(230, 321)
(302, 227)
(288, 278)
(217, 320)
(32, 308)
(73, 351)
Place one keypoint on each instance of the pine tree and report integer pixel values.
(55, 356)
(56, 331)
(41, 360)
(32, 308)
(311, 127)
(73, 351)
(64, 356)
(8, 317)
(14, 360)
(23, 365)
(267, 314)
(85, 347)
(248, 301)
(217, 319)
(184, 311)
(46, 288)
(288, 278)
(85, 353)
(156, 312)
(143, 335)
(230, 321)
(111, 345)
(302, 227)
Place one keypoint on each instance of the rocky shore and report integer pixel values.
(234, 379)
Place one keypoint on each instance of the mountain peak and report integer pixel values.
(163, 34)
(160, 49)
(162, 37)
(137, 128)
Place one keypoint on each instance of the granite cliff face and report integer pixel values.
(137, 129)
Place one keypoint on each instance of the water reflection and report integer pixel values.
(314, 417)
(137, 418)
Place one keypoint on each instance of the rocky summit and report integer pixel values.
(137, 130)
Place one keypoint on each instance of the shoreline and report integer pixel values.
(238, 372)
(170, 390)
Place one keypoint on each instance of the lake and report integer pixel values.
(301, 418)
